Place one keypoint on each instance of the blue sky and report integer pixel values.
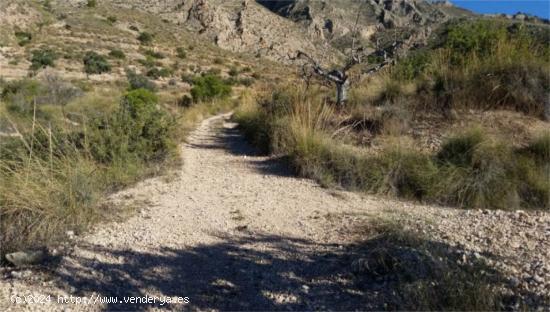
(539, 8)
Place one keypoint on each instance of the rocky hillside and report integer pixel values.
(277, 29)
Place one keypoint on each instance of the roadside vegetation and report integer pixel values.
(63, 149)
(425, 274)
(377, 142)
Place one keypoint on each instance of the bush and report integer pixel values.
(208, 87)
(139, 128)
(157, 73)
(117, 54)
(112, 19)
(138, 81)
(23, 38)
(19, 94)
(213, 72)
(145, 38)
(180, 53)
(149, 62)
(233, 71)
(188, 78)
(59, 189)
(91, 3)
(57, 91)
(43, 58)
(95, 63)
(470, 169)
(155, 54)
(185, 101)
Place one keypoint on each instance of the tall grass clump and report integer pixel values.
(471, 169)
(53, 175)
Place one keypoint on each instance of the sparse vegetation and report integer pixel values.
(42, 58)
(209, 87)
(23, 37)
(53, 176)
(427, 276)
(467, 59)
(91, 3)
(158, 72)
(111, 19)
(95, 63)
(137, 81)
(180, 53)
(117, 54)
(155, 54)
(470, 170)
(233, 72)
(145, 38)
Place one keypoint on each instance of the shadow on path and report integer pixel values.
(231, 140)
(231, 275)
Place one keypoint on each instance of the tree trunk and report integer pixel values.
(342, 92)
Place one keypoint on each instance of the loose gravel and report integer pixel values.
(237, 231)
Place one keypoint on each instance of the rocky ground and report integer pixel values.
(237, 231)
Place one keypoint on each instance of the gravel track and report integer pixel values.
(236, 231)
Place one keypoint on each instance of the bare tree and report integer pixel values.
(340, 77)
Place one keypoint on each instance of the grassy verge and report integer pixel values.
(61, 159)
(423, 274)
(471, 169)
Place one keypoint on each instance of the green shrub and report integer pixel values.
(42, 58)
(484, 64)
(23, 38)
(117, 54)
(208, 87)
(233, 71)
(145, 38)
(246, 81)
(91, 3)
(214, 71)
(155, 54)
(185, 101)
(157, 73)
(180, 53)
(112, 19)
(95, 63)
(59, 189)
(188, 78)
(149, 62)
(139, 129)
(137, 81)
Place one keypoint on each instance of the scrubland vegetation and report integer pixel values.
(426, 275)
(71, 148)
(477, 68)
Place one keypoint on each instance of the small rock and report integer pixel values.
(28, 257)
(514, 282)
(21, 274)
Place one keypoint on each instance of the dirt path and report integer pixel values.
(233, 231)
